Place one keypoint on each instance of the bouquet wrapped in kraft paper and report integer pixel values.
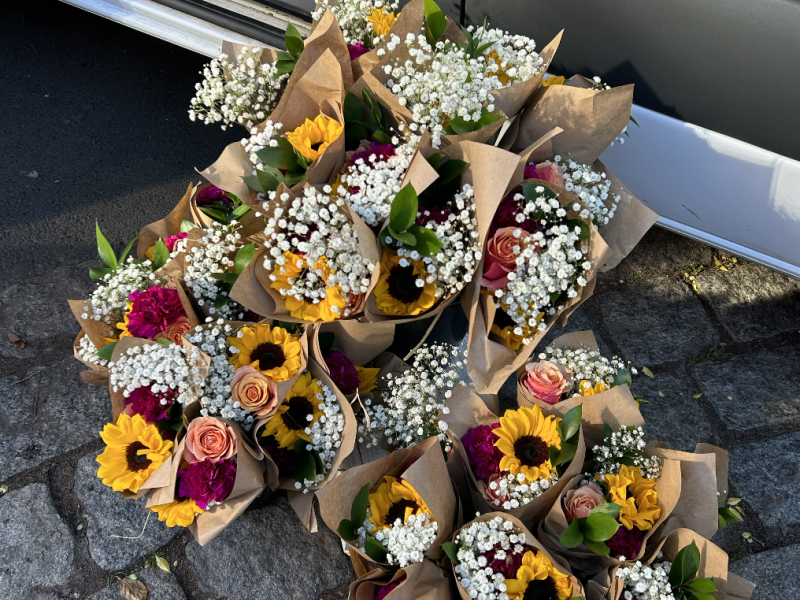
(527, 565)
(418, 581)
(378, 507)
(496, 348)
(98, 371)
(690, 564)
(485, 466)
(304, 451)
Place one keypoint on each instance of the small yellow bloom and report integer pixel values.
(123, 327)
(394, 500)
(501, 71)
(367, 379)
(636, 495)
(524, 437)
(382, 22)
(585, 388)
(329, 308)
(179, 512)
(510, 339)
(289, 423)
(552, 80)
(272, 350)
(312, 138)
(397, 292)
(538, 570)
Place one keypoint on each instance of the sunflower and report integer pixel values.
(312, 138)
(394, 499)
(126, 319)
(178, 512)
(525, 436)
(381, 22)
(289, 423)
(397, 292)
(367, 379)
(585, 388)
(272, 350)
(330, 308)
(510, 339)
(636, 495)
(538, 578)
(553, 80)
(134, 451)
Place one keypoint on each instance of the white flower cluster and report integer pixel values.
(585, 364)
(452, 268)
(405, 543)
(438, 84)
(369, 185)
(316, 227)
(473, 570)
(351, 15)
(209, 255)
(411, 409)
(591, 187)
(511, 492)
(548, 263)
(161, 368)
(88, 352)
(627, 442)
(215, 391)
(261, 137)
(326, 431)
(243, 91)
(646, 582)
(108, 301)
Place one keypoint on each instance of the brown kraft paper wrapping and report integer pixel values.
(531, 542)
(97, 331)
(97, 374)
(428, 475)
(169, 225)
(490, 363)
(359, 342)
(467, 410)
(424, 581)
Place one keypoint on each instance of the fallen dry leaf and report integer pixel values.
(131, 589)
(16, 340)
(162, 563)
(647, 372)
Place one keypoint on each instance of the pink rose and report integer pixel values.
(501, 255)
(211, 439)
(174, 331)
(546, 171)
(579, 502)
(254, 392)
(547, 381)
(492, 495)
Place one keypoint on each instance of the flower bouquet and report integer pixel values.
(395, 511)
(495, 557)
(417, 580)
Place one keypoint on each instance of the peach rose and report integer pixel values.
(501, 255)
(548, 171)
(174, 332)
(579, 502)
(493, 496)
(254, 392)
(208, 438)
(547, 381)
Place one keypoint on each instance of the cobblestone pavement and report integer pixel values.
(732, 336)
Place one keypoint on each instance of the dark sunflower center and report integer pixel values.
(398, 511)
(541, 589)
(268, 355)
(136, 461)
(295, 416)
(316, 146)
(531, 450)
(402, 284)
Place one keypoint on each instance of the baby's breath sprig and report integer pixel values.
(591, 187)
(623, 447)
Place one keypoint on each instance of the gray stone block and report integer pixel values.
(661, 253)
(773, 571)
(37, 548)
(108, 513)
(70, 413)
(160, 586)
(267, 553)
(754, 390)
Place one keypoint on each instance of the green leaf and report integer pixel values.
(163, 342)
(609, 508)
(356, 132)
(600, 548)
(319, 467)
(283, 55)
(381, 137)
(347, 531)
(306, 468)
(572, 536)
(685, 565)
(291, 31)
(239, 212)
(607, 432)
(294, 42)
(220, 301)
(460, 125)
(290, 327)
(599, 527)
(435, 18)
(243, 257)
(729, 516)
(292, 179)
(284, 66)
(568, 451)
(104, 248)
(352, 108)
(584, 228)
(702, 585)
(187, 225)
(623, 377)
(105, 351)
(452, 551)
(404, 209)
(375, 550)
(160, 255)
(635, 122)
(218, 214)
(127, 250)
(233, 198)
(407, 238)
(278, 157)
(99, 272)
(428, 243)
(435, 159)
(325, 340)
(555, 456)
(486, 120)
(571, 422)
(162, 563)
(253, 183)
(358, 512)
(450, 170)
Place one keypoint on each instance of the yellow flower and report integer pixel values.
(585, 388)
(538, 570)
(289, 422)
(272, 350)
(510, 339)
(524, 437)
(367, 379)
(381, 22)
(123, 327)
(179, 512)
(134, 451)
(312, 138)
(397, 292)
(500, 72)
(394, 500)
(636, 495)
(330, 308)
(552, 80)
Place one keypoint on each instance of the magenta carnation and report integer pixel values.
(508, 566)
(148, 404)
(212, 195)
(205, 481)
(530, 172)
(506, 216)
(357, 50)
(171, 240)
(380, 151)
(342, 371)
(484, 458)
(153, 311)
(435, 214)
(626, 542)
(385, 590)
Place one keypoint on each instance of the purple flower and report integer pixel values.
(626, 542)
(435, 214)
(212, 195)
(508, 566)
(484, 458)
(205, 481)
(144, 402)
(153, 311)
(380, 151)
(343, 373)
(171, 240)
(385, 590)
(530, 172)
(506, 216)
(284, 458)
(357, 50)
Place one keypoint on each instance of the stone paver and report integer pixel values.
(659, 254)
(267, 553)
(37, 548)
(69, 414)
(108, 513)
(657, 321)
(766, 473)
(774, 572)
(578, 321)
(160, 586)
(752, 301)
(754, 390)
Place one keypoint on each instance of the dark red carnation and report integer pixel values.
(144, 402)
(153, 311)
(343, 372)
(212, 195)
(205, 481)
(484, 458)
(626, 542)
(357, 50)
(506, 216)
